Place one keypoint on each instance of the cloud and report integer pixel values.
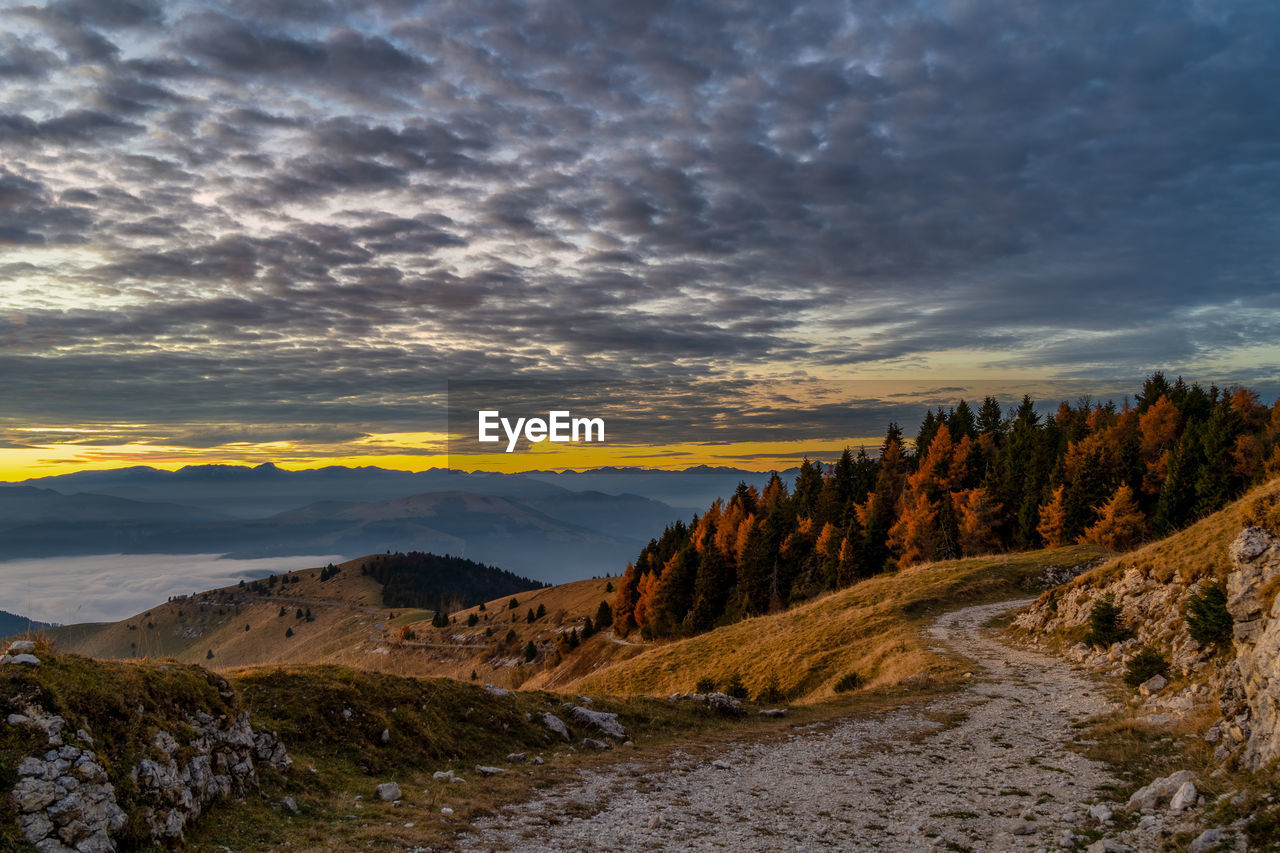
(111, 587)
(282, 213)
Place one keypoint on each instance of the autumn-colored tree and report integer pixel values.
(1120, 525)
(1053, 520)
(1159, 427)
(977, 520)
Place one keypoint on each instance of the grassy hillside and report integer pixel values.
(348, 626)
(871, 629)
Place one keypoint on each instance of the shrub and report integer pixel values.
(847, 682)
(407, 634)
(1208, 620)
(1146, 664)
(530, 651)
(512, 604)
(1104, 624)
(472, 620)
(705, 685)
(735, 687)
(771, 692)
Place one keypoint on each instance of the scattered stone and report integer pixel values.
(24, 659)
(22, 647)
(388, 791)
(496, 691)
(655, 821)
(537, 759)
(592, 743)
(556, 725)
(1101, 812)
(1025, 827)
(484, 770)
(516, 757)
(289, 804)
(444, 811)
(721, 764)
(385, 737)
(773, 712)
(446, 775)
(724, 703)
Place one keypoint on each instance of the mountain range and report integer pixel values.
(548, 525)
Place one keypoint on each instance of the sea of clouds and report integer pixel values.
(105, 588)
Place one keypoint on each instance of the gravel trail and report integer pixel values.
(1001, 778)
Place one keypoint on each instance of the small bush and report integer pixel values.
(771, 693)
(1146, 664)
(1104, 624)
(735, 687)
(472, 620)
(1208, 620)
(530, 651)
(705, 685)
(849, 681)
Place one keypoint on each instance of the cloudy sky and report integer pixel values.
(274, 229)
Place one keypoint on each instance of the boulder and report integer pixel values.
(1206, 840)
(607, 723)
(388, 791)
(23, 659)
(592, 743)
(556, 725)
(22, 647)
(1148, 797)
(484, 770)
(1101, 812)
(1152, 685)
(1185, 797)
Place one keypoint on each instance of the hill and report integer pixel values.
(12, 623)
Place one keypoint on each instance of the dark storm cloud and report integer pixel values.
(324, 208)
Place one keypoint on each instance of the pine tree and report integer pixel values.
(604, 615)
(530, 652)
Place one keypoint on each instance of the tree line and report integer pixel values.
(971, 482)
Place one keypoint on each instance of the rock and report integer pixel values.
(445, 775)
(22, 647)
(385, 737)
(592, 743)
(484, 770)
(1152, 685)
(1067, 839)
(655, 821)
(724, 703)
(1206, 840)
(537, 759)
(388, 791)
(556, 725)
(1149, 797)
(605, 722)
(1025, 827)
(98, 842)
(289, 804)
(1251, 692)
(773, 712)
(721, 764)
(516, 757)
(446, 811)
(1185, 797)
(1107, 845)
(1101, 812)
(496, 691)
(24, 659)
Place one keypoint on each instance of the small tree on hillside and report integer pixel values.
(1208, 620)
(530, 651)
(1053, 520)
(1104, 624)
(288, 632)
(604, 615)
(1120, 523)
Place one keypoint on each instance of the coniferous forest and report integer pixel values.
(969, 482)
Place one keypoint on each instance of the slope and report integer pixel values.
(868, 634)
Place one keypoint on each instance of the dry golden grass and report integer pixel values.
(872, 628)
(1199, 552)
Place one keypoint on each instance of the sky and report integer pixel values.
(276, 230)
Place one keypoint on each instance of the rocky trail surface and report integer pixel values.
(986, 768)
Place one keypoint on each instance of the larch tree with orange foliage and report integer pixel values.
(1053, 520)
(1120, 525)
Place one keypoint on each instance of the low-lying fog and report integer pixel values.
(109, 587)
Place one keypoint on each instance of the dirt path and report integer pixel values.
(1001, 778)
